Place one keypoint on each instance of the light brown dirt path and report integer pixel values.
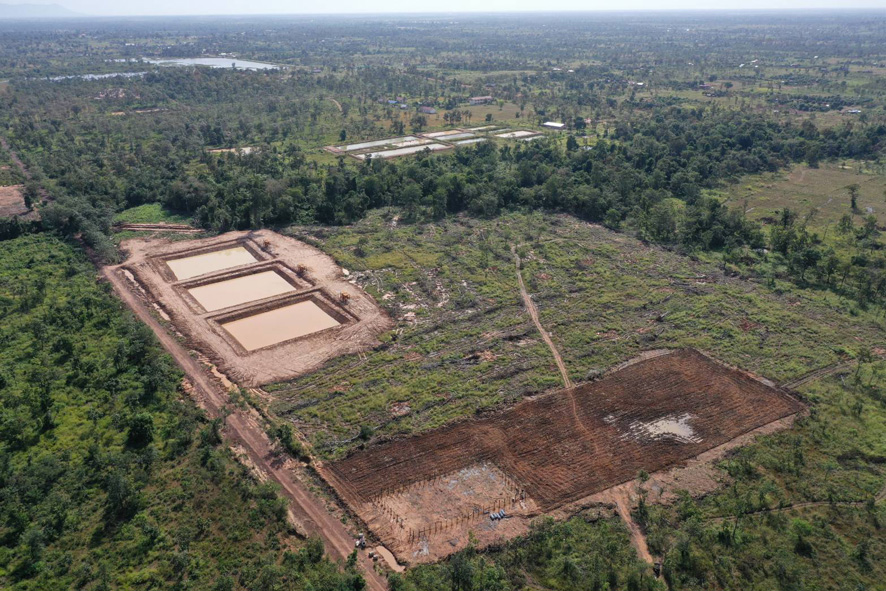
(244, 430)
(623, 506)
(159, 227)
(533, 312)
(878, 498)
(620, 497)
(818, 374)
(337, 104)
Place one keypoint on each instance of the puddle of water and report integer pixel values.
(202, 264)
(402, 151)
(282, 324)
(96, 76)
(675, 427)
(516, 134)
(240, 290)
(389, 559)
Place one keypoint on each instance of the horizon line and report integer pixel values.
(756, 10)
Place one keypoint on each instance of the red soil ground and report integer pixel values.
(559, 453)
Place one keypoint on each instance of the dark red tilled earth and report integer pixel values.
(560, 452)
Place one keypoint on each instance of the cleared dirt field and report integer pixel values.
(560, 447)
(234, 298)
(11, 201)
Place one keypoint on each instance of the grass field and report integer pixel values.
(805, 189)
(150, 213)
(464, 341)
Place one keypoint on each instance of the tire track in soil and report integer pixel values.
(533, 312)
(818, 374)
(638, 539)
(621, 500)
(158, 227)
(245, 430)
(879, 497)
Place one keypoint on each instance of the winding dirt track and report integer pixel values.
(533, 312)
(818, 374)
(622, 502)
(244, 429)
(638, 538)
(878, 498)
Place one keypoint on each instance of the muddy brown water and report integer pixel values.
(282, 324)
(224, 294)
(201, 264)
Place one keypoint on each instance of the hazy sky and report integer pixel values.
(156, 7)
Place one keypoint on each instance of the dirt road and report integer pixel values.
(638, 540)
(533, 312)
(818, 374)
(621, 499)
(243, 428)
(158, 227)
(878, 498)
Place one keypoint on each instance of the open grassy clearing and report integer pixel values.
(804, 189)
(464, 342)
(150, 213)
(605, 297)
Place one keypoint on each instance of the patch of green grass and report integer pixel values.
(464, 341)
(822, 191)
(150, 213)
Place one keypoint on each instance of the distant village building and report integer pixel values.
(553, 125)
(427, 110)
(480, 100)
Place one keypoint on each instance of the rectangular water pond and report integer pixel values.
(403, 151)
(516, 134)
(232, 292)
(278, 325)
(201, 264)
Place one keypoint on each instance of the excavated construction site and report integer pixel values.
(266, 308)
(262, 307)
(423, 495)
